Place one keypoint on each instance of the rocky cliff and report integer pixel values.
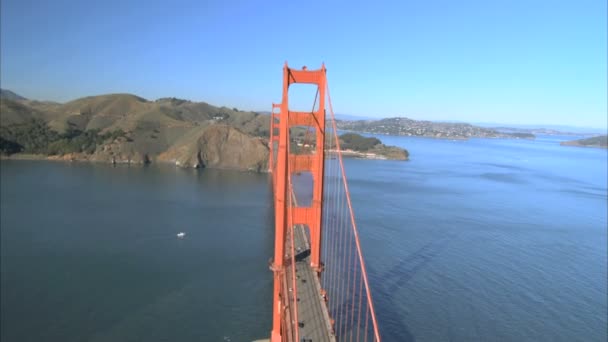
(219, 146)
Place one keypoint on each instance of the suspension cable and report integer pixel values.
(354, 226)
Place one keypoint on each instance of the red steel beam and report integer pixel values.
(286, 164)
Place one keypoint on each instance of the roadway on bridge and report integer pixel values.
(314, 323)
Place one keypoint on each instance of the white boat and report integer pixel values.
(181, 235)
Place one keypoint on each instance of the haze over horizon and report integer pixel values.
(518, 63)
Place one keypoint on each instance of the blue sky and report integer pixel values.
(519, 62)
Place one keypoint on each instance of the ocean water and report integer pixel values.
(479, 240)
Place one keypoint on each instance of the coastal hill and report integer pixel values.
(599, 142)
(542, 131)
(125, 128)
(409, 127)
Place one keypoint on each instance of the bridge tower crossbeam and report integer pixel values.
(283, 163)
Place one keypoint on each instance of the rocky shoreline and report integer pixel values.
(215, 146)
(83, 158)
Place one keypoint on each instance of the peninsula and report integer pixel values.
(124, 128)
(598, 142)
(357, 146)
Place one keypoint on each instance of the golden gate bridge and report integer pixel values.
(321, 290)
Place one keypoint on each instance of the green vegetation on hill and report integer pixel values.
(371, 147)
(9, 147)
(34, 136)
(356, 142)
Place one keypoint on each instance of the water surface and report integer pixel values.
(90, 253)
(480, 240)
(486, 240)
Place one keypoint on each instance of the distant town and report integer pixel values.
(416, 128)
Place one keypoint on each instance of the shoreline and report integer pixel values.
(362, 155)
(565, 143)
(458, 138)
(65, 159)
(83, 159)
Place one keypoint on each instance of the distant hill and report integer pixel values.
(539, 131)
(544, 129)
(9, 95)
(599, 142)
(408, 127)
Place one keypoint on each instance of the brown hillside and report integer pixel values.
(152, 128)
(218, 146)
(15, 112)
(97, 112)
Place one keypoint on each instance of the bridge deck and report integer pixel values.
(312, 311)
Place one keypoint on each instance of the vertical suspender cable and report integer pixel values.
(354, 226)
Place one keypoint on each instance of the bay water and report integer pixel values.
(478, 240)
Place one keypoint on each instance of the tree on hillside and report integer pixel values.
(356, 142)
(9, 147)
(35, 136)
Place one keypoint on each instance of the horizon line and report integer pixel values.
(361, 116)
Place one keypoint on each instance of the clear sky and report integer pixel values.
(526, 62)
